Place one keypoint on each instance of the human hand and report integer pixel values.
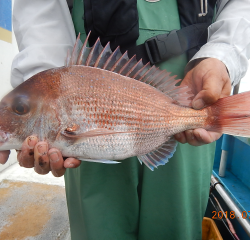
(4, 155)
(209, 81)
(38, 155)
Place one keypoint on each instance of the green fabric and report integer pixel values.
(127, 201)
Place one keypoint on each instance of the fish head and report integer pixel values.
(24, 110)
(16, 110)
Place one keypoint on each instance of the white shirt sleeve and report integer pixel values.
(44, 32)
(229, 39)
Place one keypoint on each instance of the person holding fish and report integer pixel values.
(105, 106)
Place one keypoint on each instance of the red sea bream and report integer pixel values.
(102, 106)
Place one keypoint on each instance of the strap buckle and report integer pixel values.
(163, 46)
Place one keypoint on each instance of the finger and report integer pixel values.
(42, 163)
(72, 163)
(191, 138)
(25, 157)
(4, 155)
(181, 137)
(205, 137)
(56, 162)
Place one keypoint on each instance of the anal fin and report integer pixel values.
(160, 156)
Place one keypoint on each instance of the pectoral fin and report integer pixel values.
(92, 133)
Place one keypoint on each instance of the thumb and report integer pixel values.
(210, 81)
(214, 86)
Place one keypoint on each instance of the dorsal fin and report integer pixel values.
(83, 54)
(115, 61)
(127, 67)
(112, 59)
(103, 57)
(67, 59)
(148, 73)
(135, 68)
(120, 63)
(73, 59)
(94, 53)
(141, 71)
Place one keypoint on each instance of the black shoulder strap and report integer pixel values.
(165, 46)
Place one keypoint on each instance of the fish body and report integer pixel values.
(143, 117)
(95, 113)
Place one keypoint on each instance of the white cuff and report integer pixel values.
(236, 66)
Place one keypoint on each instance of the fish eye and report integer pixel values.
(20, 106)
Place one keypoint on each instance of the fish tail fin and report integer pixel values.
(232, 115)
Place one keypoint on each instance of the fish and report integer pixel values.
(103, 106)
